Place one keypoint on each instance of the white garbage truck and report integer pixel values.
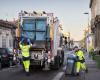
(45, 33)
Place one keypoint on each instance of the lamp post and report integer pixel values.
(87, 36)
(86, 13)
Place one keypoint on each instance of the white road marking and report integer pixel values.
(58, 76)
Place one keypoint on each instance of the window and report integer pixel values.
(41, 25)
(28, 34)
(40, 35)
(3, 42)
(10, 43)
(34, 29)
(29, 25)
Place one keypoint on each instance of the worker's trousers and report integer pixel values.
(80, 66)
(26, 65)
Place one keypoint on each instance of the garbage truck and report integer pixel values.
(45, 33)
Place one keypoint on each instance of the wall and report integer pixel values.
(6, 39)
(97, 7)
(93, 9)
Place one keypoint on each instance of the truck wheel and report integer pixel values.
(10, 63)
(41, 67)
(56, 65)
(62, 57)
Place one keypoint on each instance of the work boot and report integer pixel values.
(27, 74)
(86, 70)
(77, 74)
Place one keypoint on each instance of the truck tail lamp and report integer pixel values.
(49, 56)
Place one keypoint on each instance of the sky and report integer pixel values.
(69, 12)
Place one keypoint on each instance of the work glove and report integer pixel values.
(77, 59)
(29, 41)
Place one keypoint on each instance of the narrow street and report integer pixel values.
(49, 39)
(16, 73)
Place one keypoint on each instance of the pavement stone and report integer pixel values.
(94, 72)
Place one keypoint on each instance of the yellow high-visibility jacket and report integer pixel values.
(25, 50)
(80, 55)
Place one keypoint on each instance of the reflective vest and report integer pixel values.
(25, 50)
(80, 55)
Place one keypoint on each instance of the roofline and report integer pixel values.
(7, 24)
(91, 1)
(34, 17)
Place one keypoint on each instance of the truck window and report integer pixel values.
(34, 29)
(40, 36)
(28, 24)
(40, 29)
(28, 34)
(41, 25)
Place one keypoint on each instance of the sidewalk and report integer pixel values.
(94, 72)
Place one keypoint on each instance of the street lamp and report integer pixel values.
(87, 36)
(88, 17)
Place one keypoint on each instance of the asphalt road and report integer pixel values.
(16, 73)
(70, 77)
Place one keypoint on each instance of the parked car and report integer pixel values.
(6, 57)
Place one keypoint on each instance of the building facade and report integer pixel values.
(95, 22)
(88, 39)
(7, 33)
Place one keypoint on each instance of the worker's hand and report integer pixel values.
(77, 58)
(29, 41)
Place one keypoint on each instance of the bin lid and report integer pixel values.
(71, 55)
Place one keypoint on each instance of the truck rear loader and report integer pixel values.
(45, 32)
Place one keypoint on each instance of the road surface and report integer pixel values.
(16, 73)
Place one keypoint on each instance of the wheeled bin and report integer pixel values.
(70, 64)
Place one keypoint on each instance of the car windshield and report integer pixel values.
(10, 51)
(2, 51)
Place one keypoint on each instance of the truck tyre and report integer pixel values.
(41, 67)
(62, 57)
(56, 65)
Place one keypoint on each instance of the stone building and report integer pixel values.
(95, 22)
(7, 34)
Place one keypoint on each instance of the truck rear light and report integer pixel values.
(49, 55)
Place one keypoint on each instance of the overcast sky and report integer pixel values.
(70, 12)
